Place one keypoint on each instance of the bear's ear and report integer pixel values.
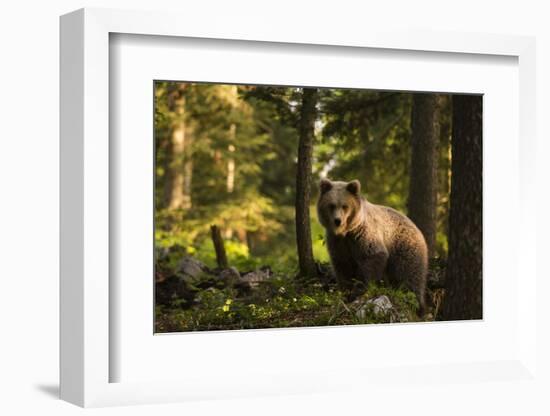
(354, 187)
(325, 185)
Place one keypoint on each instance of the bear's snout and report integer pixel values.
(337, 222)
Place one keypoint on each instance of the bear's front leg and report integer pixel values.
(372, 266)
(342, 262)
(344, 272)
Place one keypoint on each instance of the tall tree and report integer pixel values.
(422, 202)
(308, 115)
(463, 281)
(179, 164)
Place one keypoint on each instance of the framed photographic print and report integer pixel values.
(237, 242)
(291, 211)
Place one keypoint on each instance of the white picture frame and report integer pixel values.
(86, 356)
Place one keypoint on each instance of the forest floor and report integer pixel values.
(192, 297)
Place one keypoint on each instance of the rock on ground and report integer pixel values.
(380, 305)
(190, 268)
(256, 277)
(230, 276)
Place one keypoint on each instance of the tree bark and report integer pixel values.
(221, 257)
(303, 182)
(422, 202)
(179, 164)
(463, 281)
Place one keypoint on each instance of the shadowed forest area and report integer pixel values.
(238, 243)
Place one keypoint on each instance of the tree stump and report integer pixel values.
(221, 257)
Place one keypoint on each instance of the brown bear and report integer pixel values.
(371, 242)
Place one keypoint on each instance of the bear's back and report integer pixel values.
(396, 227)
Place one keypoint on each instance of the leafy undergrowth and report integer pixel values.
(281, 302)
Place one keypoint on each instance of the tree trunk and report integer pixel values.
(221, 257)
(303, 182)
(177, 190)
(422, 202)
(463, 281)
(230, 180)
(187, 202)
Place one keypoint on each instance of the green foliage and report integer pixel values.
(283, 302)
(366, 136)
(320, 252)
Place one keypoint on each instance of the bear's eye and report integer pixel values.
(332, 206)
(344, 207)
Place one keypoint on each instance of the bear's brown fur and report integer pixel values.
(371, 242)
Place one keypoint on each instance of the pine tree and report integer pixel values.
(308, 114)
(421, 206)
(463, 281)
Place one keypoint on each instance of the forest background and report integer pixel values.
(247, 160)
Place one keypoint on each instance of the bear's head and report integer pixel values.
(339, 205)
